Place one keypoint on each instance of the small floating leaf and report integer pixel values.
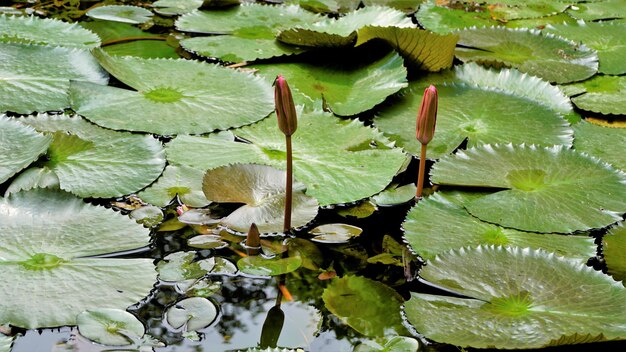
(193, 314)
(19, 146)
(175, 7)
(182, 181)
(121, 13)
(395, 195)
(394, 344)
(113, 327)
(614, 247)
(602, 94)
(335, 233)
(516, 298)
(180, 266)
(605, 143)
(148, 216)
(537, 189)
(207, 242)
(257, 265)
(592, 11)
(45, 31)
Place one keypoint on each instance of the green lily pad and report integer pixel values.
(173, 96)
(514, 10)
(335, 233)
(605, 143)
(444, 20)
(608, 39)
(108, 326)
(148, 215)
(207, 242)
(537, 189)
(121, 13)
(192, 314)
(175, 7)
(439, 223)
(516, 298)
(600, 10)
(262, 189)
(603, 94)
(94, 162)
(343, 31)
(346, 89)
(249, 31)
(420, 48)
(47, 237)
(37, 78)
(6, 342)
(181, 266)
(613, 248)
(327, 6)
(182, 181)
(378, 305)
(19, 146)
(257, 265)
(394, 344)
(339, 161)
(34, 30)
(33, 177)
(395, 195)
(551, 58)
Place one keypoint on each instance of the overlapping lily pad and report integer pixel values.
(338, 161)
(605, 143)
(192, 313)
(444, 20)
(537, 189)
(182, 181)
(5, 343)
(109, 326)
(517, 298)
(602, 94)
(503, 10)
(613, 248)
(439, 223)
(37, 78)
(94, 162)
(546, 56)
(248, 31)
(121, 13)
(19, 146)
(262, 189)
(257, 265)
(175, 7)
(46, 31)
(173, 96)
(598, 10)
(346, 89)
(47, 238)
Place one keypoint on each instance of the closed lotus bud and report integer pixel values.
(425, 128)
(285, 107)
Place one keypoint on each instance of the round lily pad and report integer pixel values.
(113, 327)
(598, 10)
(257, 265)
(182, 181)
(262, 189)
(516, 298)
(45, 31)
(121, 13)
(439, 223)
(175, 7)
(48, 237)
(192, 313)
(613, 248)
(180, 266)
(547, 56)
(606, 143)
(334, 233)
(173, 96)
(537, 189)
(20, 145)
(339, 161)
(395, 195)
(602, 94)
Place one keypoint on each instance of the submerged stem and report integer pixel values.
(420, 174)
(288, 185)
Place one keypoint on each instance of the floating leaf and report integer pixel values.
(121, 13)
(361, 210)
(593, 11)
(113, 327)
(175, 7)
(257, 265)
(421, 48)
(182, 181)
(335, 159)
(602, 94)
(34, 30)
(378, 305)
(46, 238)
(6, 342)
(207, 242)
(343, 31)
(33, 177)
(613, 248)
(193, 314)
(395, 195)
(512, 10)
(94, 162)
(551, 58)
(439, 223)
(537, 189)
(394, 344)
(180, 266)
(199, 217)
(173, 96)
(347, 90)
(334, 233)
(605, 143)
(37, 78)
(148, 216)
(444, 20)
(19, 146)
(516, 298)
(608, 39)
(262, 189)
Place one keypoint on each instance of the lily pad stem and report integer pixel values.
(420, 174)
(288, 186)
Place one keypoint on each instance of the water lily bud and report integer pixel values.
(425, 128)
(285, 107)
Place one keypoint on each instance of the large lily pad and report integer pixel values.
(444, 20)
(605, 143)
(94, 162)
(173, 96)
(262, 189)
(614, 247)
(19, 146)
(517, 298)
(121, 13)
(551, 58)
(175, 7)
(439, 223)
(108, 326)
(338, 161)
(537, 189)
(602, 94)
(248, 30)
(34, 30)
(608, 39)
(182, 181)
(346, 89)
(47, 238)
(378, 305)
(598, 10)
(37, 78)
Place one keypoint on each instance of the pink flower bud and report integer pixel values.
(425, 128)
(285, 107)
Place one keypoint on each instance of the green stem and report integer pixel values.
(420, 174)
(288, 185)
(130, 39)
